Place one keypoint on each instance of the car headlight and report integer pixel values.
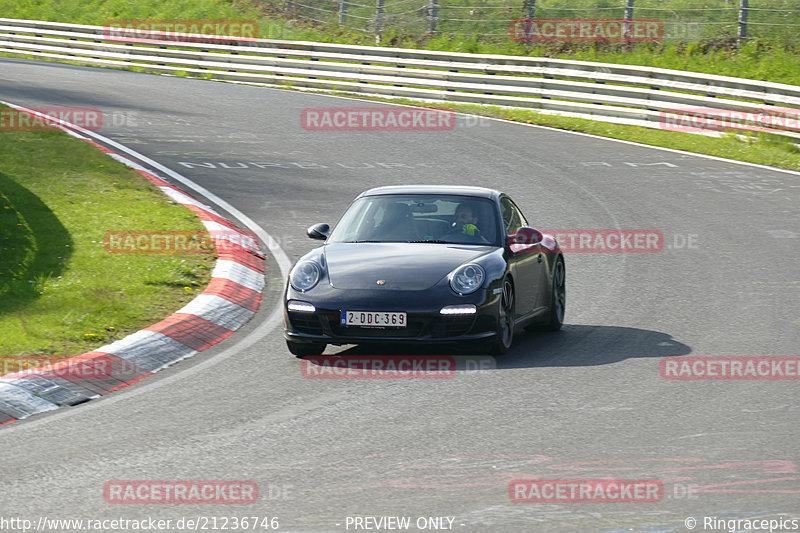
(467, 279)
(304, 276)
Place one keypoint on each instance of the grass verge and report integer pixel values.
(61, 293)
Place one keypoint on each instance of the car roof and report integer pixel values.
(461, 190)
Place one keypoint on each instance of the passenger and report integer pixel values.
(397, 223)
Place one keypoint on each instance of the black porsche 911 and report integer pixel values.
(425, 264)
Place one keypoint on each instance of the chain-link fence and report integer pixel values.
(687, 20)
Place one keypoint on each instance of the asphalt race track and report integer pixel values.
(587, 402)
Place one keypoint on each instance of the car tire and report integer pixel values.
(558, 299)
(504, 337)
(303, 349)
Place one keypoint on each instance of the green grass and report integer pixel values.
(98, 12)
(489, 19)
(61, 293)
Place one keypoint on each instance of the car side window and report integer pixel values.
(522, 220)
(512, 217)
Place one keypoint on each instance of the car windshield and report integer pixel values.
(419, 218)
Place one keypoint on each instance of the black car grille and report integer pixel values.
(306, 323)
(452, 326)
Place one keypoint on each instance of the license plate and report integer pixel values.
(373, 318)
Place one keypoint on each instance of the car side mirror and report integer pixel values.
(319, 231)
(524, 238)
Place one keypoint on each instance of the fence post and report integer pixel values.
(379, 21)
(742, 33)
(342, 12)
(530, 5)
(628, 19)
(433, 13)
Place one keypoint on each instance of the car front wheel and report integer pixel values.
(558, 301)
(505, 321)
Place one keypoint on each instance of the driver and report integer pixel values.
(466, 221)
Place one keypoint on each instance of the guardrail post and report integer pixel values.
(342, 12)
(628, 19)
(433, 13)
(530, 6)
(742, 33)
(379, 21)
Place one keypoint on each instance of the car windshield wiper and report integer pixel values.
(437, 241)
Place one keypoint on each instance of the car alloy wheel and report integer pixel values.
(558, 302)
(505, 321)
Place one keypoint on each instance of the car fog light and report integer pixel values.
(468, 309)
(302, 307)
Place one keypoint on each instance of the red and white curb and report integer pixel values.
(230, 300)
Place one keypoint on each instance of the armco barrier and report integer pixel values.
(231, 298)
(644, 96)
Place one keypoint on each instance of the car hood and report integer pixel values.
(402, 266)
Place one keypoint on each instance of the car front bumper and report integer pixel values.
(425, 323)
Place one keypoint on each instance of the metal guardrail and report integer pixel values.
(644, 96)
